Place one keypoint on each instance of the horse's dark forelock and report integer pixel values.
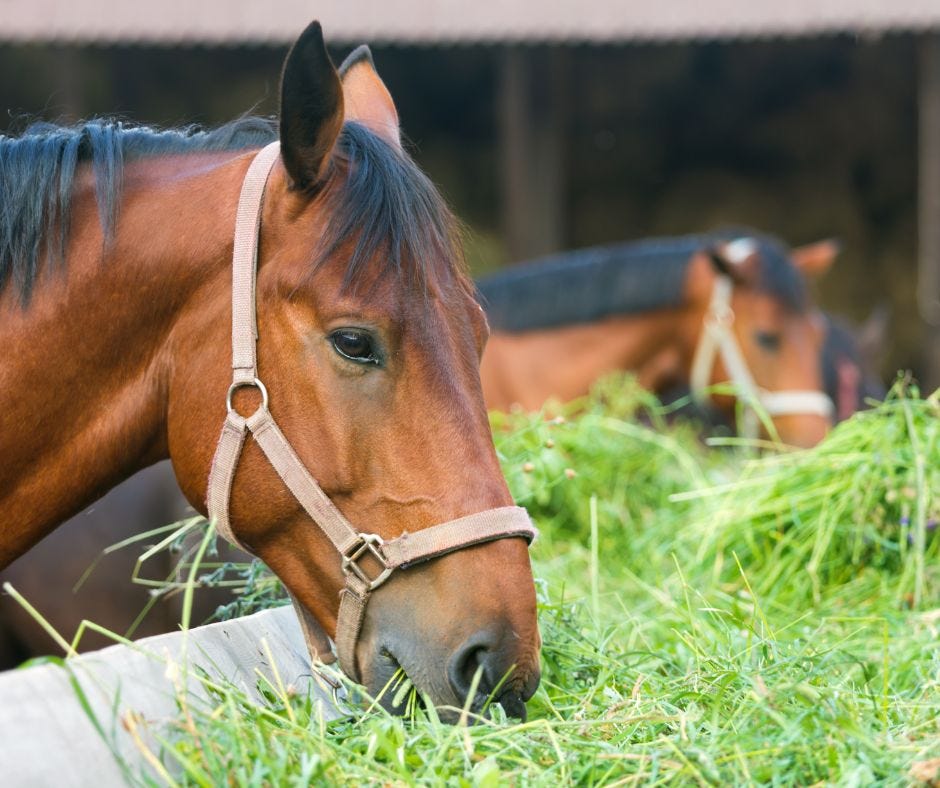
(384, 201)
(389, 211)
(778, 276)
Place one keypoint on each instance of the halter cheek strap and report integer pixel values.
(718, 340)
(399, 553)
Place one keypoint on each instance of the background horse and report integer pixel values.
(116, 313)
(561, 322)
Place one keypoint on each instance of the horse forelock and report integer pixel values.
(777, 275)
(385, 218)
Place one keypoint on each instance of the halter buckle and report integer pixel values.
(368, 543)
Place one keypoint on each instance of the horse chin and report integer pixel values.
(800, 431)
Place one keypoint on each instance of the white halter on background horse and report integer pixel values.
(694, 310)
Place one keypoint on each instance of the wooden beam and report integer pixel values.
(928, 220)
(532, 114)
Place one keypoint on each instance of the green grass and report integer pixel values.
(708, 616)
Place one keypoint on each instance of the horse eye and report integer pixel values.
(354, 345)
(768, 340)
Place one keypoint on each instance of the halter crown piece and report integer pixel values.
(398, 553)
(718, 340)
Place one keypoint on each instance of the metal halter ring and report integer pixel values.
(369, 543)
(241, 384)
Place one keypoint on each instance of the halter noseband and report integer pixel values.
(718, 340)
(398, 553)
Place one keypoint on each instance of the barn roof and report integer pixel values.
(234, 22)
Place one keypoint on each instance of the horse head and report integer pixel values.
(752, 324)
(368, 342)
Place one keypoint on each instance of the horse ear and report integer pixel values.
(815, 259)
(738, 259)
(366, 98)
(311, 108)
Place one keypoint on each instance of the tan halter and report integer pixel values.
(718, 340)
(399, 553)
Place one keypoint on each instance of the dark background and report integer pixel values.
(806, 139)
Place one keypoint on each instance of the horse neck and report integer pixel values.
(85, 372)
(530, 367)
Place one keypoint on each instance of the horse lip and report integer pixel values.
(513, 703)
(518, 691)
(389, 676)
(448, 710)
(513, 698)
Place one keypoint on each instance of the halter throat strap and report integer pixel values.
(399, 553)
(718, 340)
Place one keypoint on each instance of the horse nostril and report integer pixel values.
(496, 669)
(464, 665)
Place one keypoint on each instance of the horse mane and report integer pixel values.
(38, 171)
(378, 194)
(591, 284)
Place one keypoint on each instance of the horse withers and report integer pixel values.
(695, 311)
(117, 312)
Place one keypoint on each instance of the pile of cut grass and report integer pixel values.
(707, 617)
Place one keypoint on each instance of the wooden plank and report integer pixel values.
(47, 738)
(928, 220)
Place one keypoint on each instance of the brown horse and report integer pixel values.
(560, 323)
(150, 499)
(116, 313)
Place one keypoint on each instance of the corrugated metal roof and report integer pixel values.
(452, 21)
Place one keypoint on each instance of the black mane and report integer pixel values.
(379, 196)
(38, 170)
(590, 284)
